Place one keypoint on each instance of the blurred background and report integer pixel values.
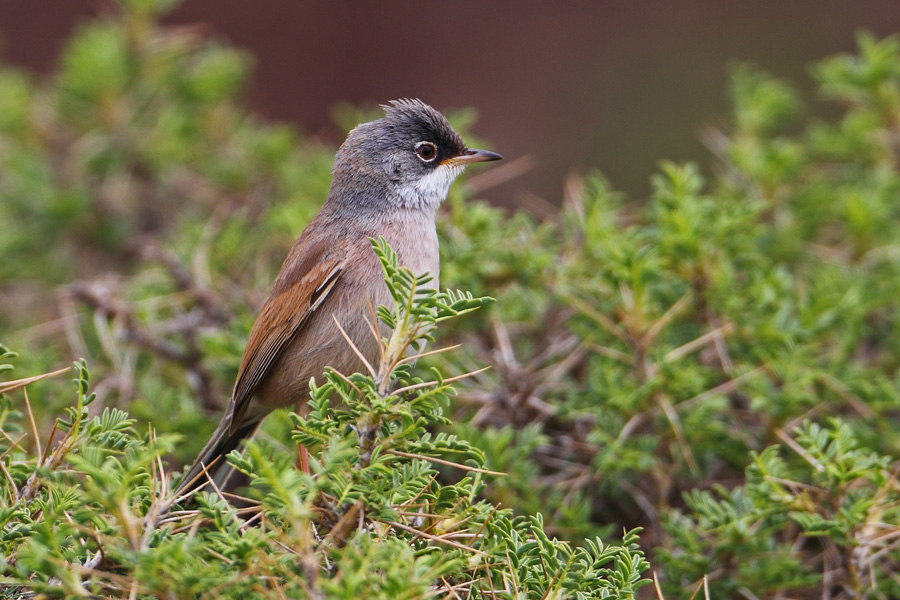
(579, 85)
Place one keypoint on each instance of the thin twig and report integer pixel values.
(723, 388)
(618, 355)
(784, 437)
(9, 386)
(661, 323)
(12, 483)
(672, 416)
(599, 317)
(434, 538)
(424, 384)
(354, 348)
(348, 382)
(699, 342)
(14, 443)
(34, 429)
(372, 322)
(444, 462)
(414, 357)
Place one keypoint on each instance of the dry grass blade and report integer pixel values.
(450, 589)
(425, 384)
(34, 429)
(846, 394)
(661, 323)
(701, 584)
(12, 443)
(784, 437)
(204, 473)
(434, 538)
(346, 380)
(12, 483)
(618, 355)
(9, 386)
(599, 318)
(373, 328)
(678, 430)
(555, 372)
(659, 593)
(354, 348)
(695, 344)
(414, 357)
(723, 388)
(441, 461)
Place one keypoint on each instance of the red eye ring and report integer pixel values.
(426, 151)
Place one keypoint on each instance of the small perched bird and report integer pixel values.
(389, 178)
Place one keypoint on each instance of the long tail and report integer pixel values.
(212, 457)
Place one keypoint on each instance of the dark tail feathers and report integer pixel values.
(212, 457)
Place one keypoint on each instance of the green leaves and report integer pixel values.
(413, 296)
(373, 517)
(868, 78)
(718, 363)
(761, 105)
(836, 493)
(6, 353)
(541, 567)
(96, 66)
(658, 349)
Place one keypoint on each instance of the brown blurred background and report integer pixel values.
(615, 85)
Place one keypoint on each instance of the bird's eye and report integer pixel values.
(426, 151)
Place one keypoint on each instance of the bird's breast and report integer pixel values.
(320, 342)
(413, 236)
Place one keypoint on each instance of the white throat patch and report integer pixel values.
(431, 189)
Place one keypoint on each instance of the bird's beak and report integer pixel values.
(471, 155)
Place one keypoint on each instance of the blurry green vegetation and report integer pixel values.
(718, 364)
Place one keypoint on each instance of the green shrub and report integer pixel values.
(95, 516)
(717, 364)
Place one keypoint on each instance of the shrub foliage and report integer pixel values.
(96, 515)
(717, 365)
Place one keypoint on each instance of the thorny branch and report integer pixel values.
(104, 297)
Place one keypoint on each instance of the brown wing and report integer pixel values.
(306, 278)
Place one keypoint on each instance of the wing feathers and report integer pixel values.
(283, 315)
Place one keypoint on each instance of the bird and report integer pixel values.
(389, 178)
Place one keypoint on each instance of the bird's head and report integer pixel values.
(406, 159)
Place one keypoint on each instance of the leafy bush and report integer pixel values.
(648, 351)
(95, 516)
(717, 365)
